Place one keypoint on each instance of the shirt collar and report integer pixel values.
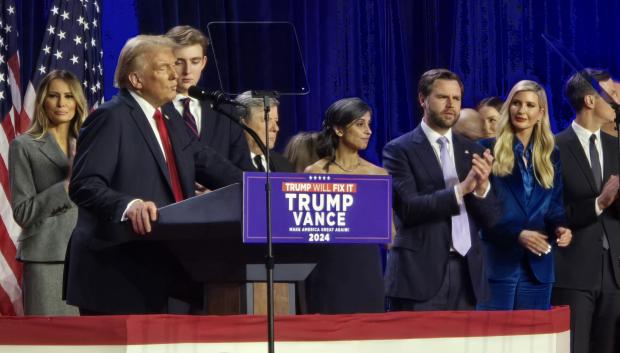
(584, 134)
(180, 97)
(433, 135)
(146, 107)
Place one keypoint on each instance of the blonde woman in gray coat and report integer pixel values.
(39, 169)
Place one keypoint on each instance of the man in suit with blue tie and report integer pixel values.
(130, 160)
(442, 195)
(211, 128)
(588, 271)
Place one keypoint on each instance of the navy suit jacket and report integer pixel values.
(220, 133)
(423, 207)
(544, 212)
(118, 159)
(579, 265)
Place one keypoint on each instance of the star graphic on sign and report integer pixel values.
(11, 10)
(65, 15)
(62, 34)
(47, 49)
(51, 29)
(74, 59)
(1, 95)
(2, 79)
(95, 22)
(85, 25)
(93, 42)
(42, 69)
(7, 28)
(77, 39)
(58, 54)
(55, 10)
(81, 20)
(1, 59)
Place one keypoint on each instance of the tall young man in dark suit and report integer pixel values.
(212, 128)
(588, 271)
(441, 197)
(254, 117)
(130, 160)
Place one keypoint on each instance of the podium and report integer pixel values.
(204, 234)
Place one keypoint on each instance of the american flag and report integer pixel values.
(72, 42)
(10, 110)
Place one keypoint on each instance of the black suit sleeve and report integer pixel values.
(95, 164)
(412, 206)
(212, 169)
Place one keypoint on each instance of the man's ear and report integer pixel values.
(135, 80)
(588, 101)
(422, 100)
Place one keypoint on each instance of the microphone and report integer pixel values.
(215, 97)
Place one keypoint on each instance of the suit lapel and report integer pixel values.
(207, 121)
(576, 150)
(462, 157)
(610, 157)
(52, 151)
(516, 186)
(147, 133)
(423, 149)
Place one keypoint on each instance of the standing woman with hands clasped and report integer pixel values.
(39, 171)
(527, 176)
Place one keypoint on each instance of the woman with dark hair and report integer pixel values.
(346, 131)
(348, 277)
(39, 170)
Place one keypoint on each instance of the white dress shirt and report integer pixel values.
(432, 136)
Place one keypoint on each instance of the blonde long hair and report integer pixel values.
(41, 123)
(542, 138)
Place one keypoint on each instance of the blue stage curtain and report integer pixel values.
(378, 49)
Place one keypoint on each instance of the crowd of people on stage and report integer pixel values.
(491, 210)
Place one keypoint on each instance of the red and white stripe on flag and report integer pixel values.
(455, 332)
(13, 123)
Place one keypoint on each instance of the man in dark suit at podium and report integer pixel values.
(588, 271)
(130, 160)
(254, 117)
(441, 198)
(211, 128)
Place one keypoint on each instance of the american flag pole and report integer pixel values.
(12, 124)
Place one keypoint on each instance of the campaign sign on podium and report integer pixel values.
(318, 208)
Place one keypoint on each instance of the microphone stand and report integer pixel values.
(269, 260)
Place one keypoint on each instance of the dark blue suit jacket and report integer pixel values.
(220, 133)
(544, 212)
(118, 159)
(423, 207)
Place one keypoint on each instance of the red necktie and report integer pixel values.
(172, 165)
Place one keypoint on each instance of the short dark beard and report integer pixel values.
(435, 120)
